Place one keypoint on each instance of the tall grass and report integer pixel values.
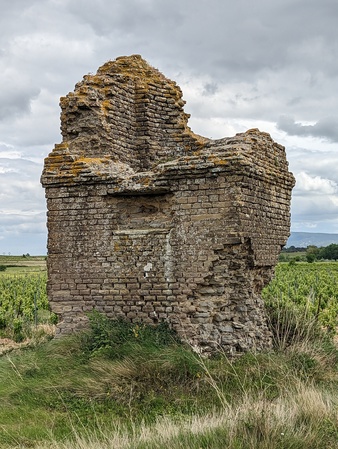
(304, 418)
(134, 387)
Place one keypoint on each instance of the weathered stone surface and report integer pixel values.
(151, 222)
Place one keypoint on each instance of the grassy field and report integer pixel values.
(296, 256)
(120, 387)
(22, 264)
(123, 386)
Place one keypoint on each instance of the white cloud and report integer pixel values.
(7, 151)
(7, 170)
(315, 184)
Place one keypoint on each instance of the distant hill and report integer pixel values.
(304, 239)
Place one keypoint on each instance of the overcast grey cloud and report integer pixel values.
(325, 128)
(271, 65)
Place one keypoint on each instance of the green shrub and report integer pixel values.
(116, 338)
(53, 318)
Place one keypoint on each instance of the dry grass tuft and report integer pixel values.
(38, 335)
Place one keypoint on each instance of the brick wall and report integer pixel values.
(150, 222)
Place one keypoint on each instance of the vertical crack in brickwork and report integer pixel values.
(151, 222)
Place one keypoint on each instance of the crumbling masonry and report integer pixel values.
(151, 222)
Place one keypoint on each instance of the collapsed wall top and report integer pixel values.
(126, 117)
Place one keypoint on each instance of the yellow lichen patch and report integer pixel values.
(253, 131)
(82, 92)
(64, 167)
(84, 162)
(54, 162)
(217, 160)
(145, 181)
(135, 68)
(106, 106)
(62, 145)
(257, 131)
(95, 79)
(92, 160)
(116, 247)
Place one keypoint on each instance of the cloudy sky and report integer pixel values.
(241, 64)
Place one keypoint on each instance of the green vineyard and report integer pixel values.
(311, 287)
(23, 303)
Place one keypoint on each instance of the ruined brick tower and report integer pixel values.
(151, 222)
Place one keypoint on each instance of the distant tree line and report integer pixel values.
(310, 253)
(324, 253)
(293, 249)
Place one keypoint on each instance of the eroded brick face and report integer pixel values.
(150, 222)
